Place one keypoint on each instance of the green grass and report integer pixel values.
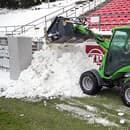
(39, 117)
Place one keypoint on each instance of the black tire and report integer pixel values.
(125, 94)
(89, 84)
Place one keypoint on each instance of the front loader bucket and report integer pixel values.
(62, 30)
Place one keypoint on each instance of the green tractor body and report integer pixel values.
(115, 67)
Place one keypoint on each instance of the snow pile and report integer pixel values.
(55, 71)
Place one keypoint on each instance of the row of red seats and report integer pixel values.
(114, 19)
(115, 6)
(115, 13)
(111, 11)
(118, 8)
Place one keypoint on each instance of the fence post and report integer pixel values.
(75, 11)
(89, 5)
(66, 13)
(45, 22)
(22, 29)
(12, 33)
(82, 10)
(6, 30)
(99, 22)
(45, 34)
(48, 3)
(63, 10)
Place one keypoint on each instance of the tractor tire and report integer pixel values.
(125, 94)
(89, 84)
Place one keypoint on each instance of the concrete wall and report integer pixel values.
(20, 53)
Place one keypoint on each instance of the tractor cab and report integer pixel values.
(118, 56)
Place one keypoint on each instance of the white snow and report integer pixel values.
(55, 71)
(5, 81)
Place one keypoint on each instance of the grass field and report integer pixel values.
(89, 113)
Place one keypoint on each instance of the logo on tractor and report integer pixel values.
(95, 52)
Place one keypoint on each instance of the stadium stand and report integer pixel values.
(114, 13)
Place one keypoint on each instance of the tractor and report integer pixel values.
(115, 66)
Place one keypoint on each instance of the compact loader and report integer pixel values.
(115, 67)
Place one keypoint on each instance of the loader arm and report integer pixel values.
(97, 37)
(101, 42)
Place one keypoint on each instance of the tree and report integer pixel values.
(3, 3)
(18, 3)
(12, 4)
(49, 0)
(29, 3)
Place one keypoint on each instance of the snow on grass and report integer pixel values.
(78, 103)
(55, 71)
(120, 114)
(91, 108)
(122, 121)
(91, 117)
(102, 111)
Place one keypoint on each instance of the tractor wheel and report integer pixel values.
(89, 83)
(125, 94)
